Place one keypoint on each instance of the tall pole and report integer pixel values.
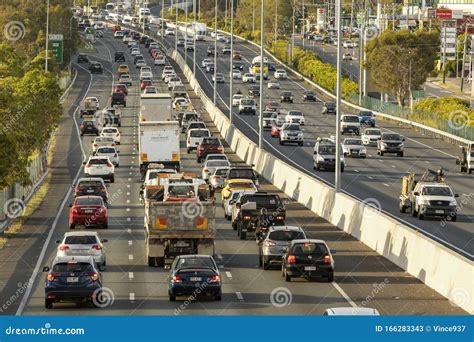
(194, 38)
(253, 16)
(337, 182)
(186, 34)
(262, 41)
(225, 15)
(303, 25)
(47, 37)
(231, 58)
(176, 29)
(293, 34)
(352, 20)
(199, 10)
(444, 51)
(365, 61)
(163, 19)
(215, 53)
(276, 21)
(464, 58)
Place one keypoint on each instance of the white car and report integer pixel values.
(83, 243)
(169, 32)
(347, 44)
(353, 147)
(236, 99)
(216, 156)
(159, 60)
(109, 151)
(174, 81)
(99, 166)
(295, 116)
(146, 69)
(166, 73)
(218, 177)
(219, 78)
(249, 78)
(150, 90)
(220, 37)
(135, 52)
(169, 76)
(371, 136)
(179, 102)
(205, 62)
(195, 137)
(125, 79)
(92, 100)
(118, 34)
(146, 75)
(229, 202)
(280, 74)
(210, 165)
(153, 45)
(102, 141)
(236, 75)
(126, 39)
(140, 64)
(347, 57)
(274, 84)
(111, 132)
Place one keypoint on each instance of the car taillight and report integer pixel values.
(291, 259)
(74, 210)
(176, 279)
(63, 248)
(77, 189)
(82, 126)
(280, 218)
(221, 148)
(96, 145)
(200, 148)
(109, 164)
(93, 275)
(269, 243)
(103, 190)
(206, 171)
(97, 247)
(247, 217)
(115, 155)
(215, 279)
(88, 165)
(53, 276)
(327, 259)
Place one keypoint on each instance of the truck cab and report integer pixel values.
(434, 199)
(466, 160)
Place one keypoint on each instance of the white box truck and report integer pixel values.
(155, 107)
(159, 144)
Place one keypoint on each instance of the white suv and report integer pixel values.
(109, 151)
(295, 116)
(280, 74)
(195, 137)
(350, 123)
(111, 132)
(83, 243)
(99, 166)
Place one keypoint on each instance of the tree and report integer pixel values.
(401, 61)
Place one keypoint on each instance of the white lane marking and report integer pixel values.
(344, 294)
(128, 185)
(380, 160)
(128, 194)
(131, 167)
(130, 173)
(128, 209)
(128, 201)
(131, 296)
(427, 162)
(32, 279)
(130, 257)
(387, 185)
(129, 219)
(130, 242)
(370, 177)
(129, 231)
(356, 171)
(130, 275)
(394, 166)
(228, 274)
(219, 256)
(239, 296)
(129, 179)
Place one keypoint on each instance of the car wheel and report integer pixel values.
(454, 218)
(318, 167)
(400, 154)
(105, 225)
(151, 261)
(172, 298)
(287, 277)
(280, 142)
(48, 303)
(301, 143)
(72, 226)
(188, 150)
(112, 180)
(160, 261)
(266, 265)
(218, 297)
(331, 277)
(413, 210)
(260, 262)
(243, 235)
(342, 168)
(420, 216)
(381, 153)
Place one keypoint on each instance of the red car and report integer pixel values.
(121, 88)
(272, 107)
(88, 211)
(145, 83)
(154, 50)
(116, 28)
(208, 146)
(275, 132)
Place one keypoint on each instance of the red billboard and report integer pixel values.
(444, 13)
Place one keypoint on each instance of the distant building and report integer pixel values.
(467, 6)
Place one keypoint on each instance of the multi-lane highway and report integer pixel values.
(376, 177)
(362, 277)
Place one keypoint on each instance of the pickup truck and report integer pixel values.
(247, 106)
(255, 212)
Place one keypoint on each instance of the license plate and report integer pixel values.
(195, 279)
(310, 268)
(72, 279)
(439, 211)
(90, 190)
(98, 167)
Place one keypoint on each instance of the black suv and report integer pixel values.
(95, 68)
(390, 143)
(82, 58)
(119, 57)
(238, 66)
(254, 91)
(91, 187)
(89, 127)
(211, 51)
(118, 99)
(286, 96)
(329, 108)
(309, 96)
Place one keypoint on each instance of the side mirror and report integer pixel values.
(403, 139)
(238, 205)
(46, 269)
(104, 240)
(83, 163)
(456, 195)
(379, 138)
(70, 205)
(58, 241)
(284, 250)
(416, 193)
(333, 251)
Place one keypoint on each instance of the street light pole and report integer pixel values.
(47, 37)
(253, 16)
(231, 58)
(215, 53)
(194, 38)
(464, 57)
(163, 19)
(276, 21)
(262, 40)
(303, 27)
(293, 34)
(186, 34)
(338, 14)
(176, 29)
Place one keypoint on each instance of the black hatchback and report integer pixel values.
(82, 58)
(254, 91)
(89, 127)
(119, 57)
(308, 258)
(118, 99)
(286, 96)
(95, 68)
(309, 96)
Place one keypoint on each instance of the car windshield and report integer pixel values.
(89, 201)
(247, 102)
(350, 119)
(216, 157)
(353, 142)
(211, 141)
(294, 113)
(327, 149)
(90, 184)
(220, 172)
(196, 262)
(241, 185)
(391, 137)
(106, 150)
(286, 94)
(437, 191)
(267, 115)
(76, 267)
(199, 134)
(292, 128)
(197, 125)
(217, 163)
(366, 114)
(263, 201)
(372, 132)
(330, 105)
(80, 240)
(285, 235)
(313, 249)
(88, 123)
(109, 130)
(181, 191)
(246, 174)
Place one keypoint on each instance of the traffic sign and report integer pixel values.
(57, 46)
(444, 13)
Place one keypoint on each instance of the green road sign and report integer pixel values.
(57, 46)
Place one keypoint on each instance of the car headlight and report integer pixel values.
(363, 150)
(424, 202)
(320, 158)
(384, 144)
(453, 203)
(300, 135)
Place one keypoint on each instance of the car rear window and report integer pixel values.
(90, 184)
(285, 235)
(106, 150)
(220, 172)
(391, 137)
(211, 141)
(109, 130)
(89, 201)
(77, 267)
(263, 201)
(199, 134)
(235, 173)
(313, 249)
(217, 163)
(195, 262)
(98, 161)
(80, 240)
(240, 185)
